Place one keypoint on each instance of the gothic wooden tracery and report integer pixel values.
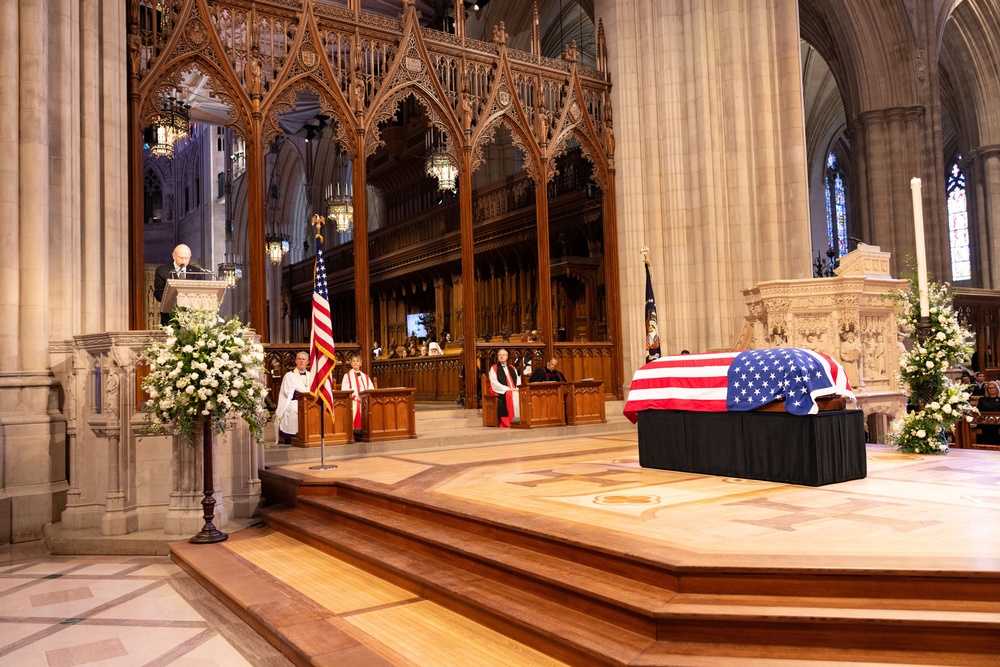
(259, 56)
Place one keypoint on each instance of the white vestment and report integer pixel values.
(501, 389)
(286, 417)
(356, 381)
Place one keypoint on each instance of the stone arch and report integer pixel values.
(870, 54)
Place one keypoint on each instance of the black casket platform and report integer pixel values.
(811, 450)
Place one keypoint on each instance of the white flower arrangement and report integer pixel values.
(206, 368)
(922, 370)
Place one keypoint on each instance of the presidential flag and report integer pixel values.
(321, 357)
(652, 328)
(737, 381)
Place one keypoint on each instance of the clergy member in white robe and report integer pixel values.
(504, 382)
(356, 382)
(286, 417)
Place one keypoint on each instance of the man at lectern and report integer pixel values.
(357, 382)
(548, 372)
(178, 268)
(295, 382)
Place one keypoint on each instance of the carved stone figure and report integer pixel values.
(850, 355)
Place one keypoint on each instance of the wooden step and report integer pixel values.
(565, 633)
(615, 591)
(614, 597)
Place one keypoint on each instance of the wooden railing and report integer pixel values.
(433, 378)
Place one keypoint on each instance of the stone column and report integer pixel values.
(888, 152)
(982, 191)
(91, 294)
(10, 280)
(64, 166)
(708, 110)
(34, 178)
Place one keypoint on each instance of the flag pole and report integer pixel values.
(652, 327)
(317, 222)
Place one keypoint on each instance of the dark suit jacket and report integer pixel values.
(543, 374)
(163, 272)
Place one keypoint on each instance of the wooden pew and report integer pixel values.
(966, 433)
(489, 403)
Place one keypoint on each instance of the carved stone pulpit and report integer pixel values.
(193, 294)
(850, 317)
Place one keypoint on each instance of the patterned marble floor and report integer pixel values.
(64, 611)
(912, 512)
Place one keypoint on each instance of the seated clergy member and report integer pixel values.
(357, 382)
(548, 372)
(295, 382)
(504, 382)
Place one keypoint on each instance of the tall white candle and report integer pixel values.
(918, 228)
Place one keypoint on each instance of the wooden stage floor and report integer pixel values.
(921, 530)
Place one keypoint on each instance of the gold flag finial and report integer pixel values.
(317, 222)
(645, 254)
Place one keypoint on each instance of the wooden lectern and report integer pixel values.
(388, 414)
(541, 405)
(336, 431)
(193, 294)
(585, 402)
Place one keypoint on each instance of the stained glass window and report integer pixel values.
(836, 207)
(958, 224)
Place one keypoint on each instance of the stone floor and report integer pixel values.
(64, 611)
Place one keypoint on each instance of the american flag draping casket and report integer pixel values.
(737, 382)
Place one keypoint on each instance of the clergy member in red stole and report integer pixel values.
(504, 382)
(357, 382)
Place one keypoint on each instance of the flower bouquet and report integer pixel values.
(206, 368)
(942, 345)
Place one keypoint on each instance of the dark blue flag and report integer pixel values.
(652, 328)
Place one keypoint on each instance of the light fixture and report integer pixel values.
(231, 270)
(171, 124)
(440, 166)
(340, 209)
(277, 245)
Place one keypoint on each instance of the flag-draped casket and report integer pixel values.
(677, 403)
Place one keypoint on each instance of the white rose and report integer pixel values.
(190, 389)
(947, 409)
(935, 406)
(921, 433)
(930, 364)
(187, 349)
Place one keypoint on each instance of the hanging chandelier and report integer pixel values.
(171, 124)
(340, 209)
(231, 270)
(277, 246)
(440, 166)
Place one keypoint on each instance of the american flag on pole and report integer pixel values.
(321, 358)
(652, 328)
(737, 381)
